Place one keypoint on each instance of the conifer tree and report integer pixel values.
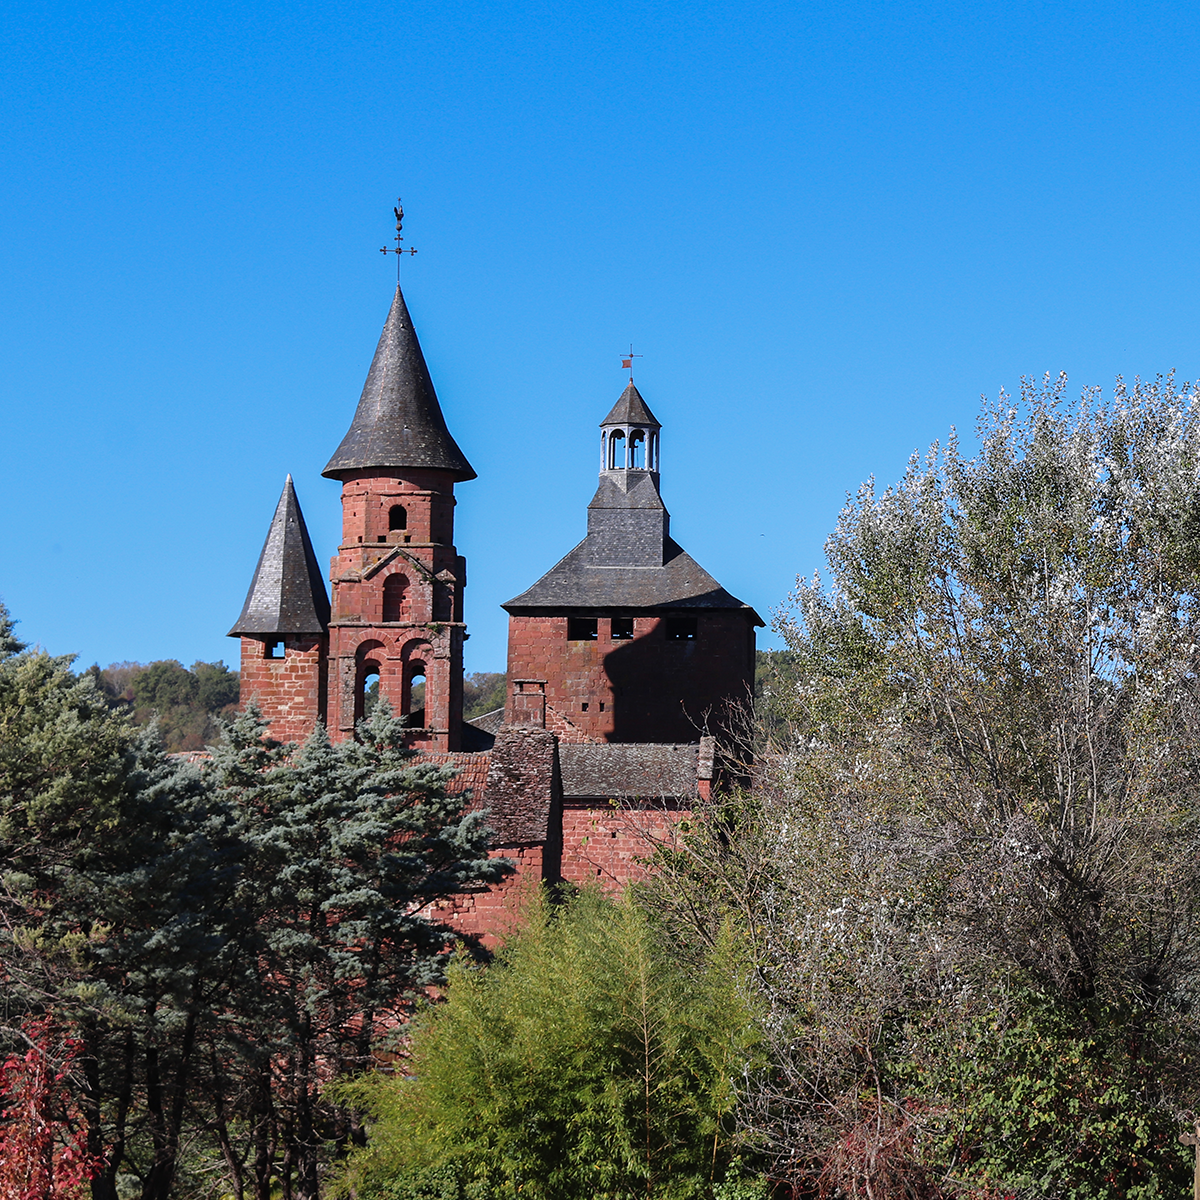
(346, 848)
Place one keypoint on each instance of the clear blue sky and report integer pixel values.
(828, 227)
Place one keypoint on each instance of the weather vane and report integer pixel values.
(627, 361)
(399, 240)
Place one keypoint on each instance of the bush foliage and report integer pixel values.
(588, 1059)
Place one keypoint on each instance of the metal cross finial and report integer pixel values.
(398, 239)
(627, 361)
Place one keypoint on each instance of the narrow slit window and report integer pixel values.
(581, 629)
(681, 629)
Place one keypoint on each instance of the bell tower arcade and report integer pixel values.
(397, 578)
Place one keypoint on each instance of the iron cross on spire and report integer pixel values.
(398, 239)
(627, 361)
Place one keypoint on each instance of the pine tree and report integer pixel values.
(347, 846)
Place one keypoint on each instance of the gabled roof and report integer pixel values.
(575, 582)
(287, 593)
(398, 422)
(630, 409)
(628, 770)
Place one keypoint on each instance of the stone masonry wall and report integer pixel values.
(607, 844)
(290, 690)
(645, 689)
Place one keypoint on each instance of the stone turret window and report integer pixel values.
(637, 450)
(276, 649)
(616, 450)
(581, 629)
(397, 518)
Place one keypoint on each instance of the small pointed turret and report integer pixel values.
(287, 594)
(398, 422)
(631, 409)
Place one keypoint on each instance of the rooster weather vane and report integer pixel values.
(398, 239)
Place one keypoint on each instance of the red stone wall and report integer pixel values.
(647, 689)
(605, 844)
(291, 690)
(491, 913)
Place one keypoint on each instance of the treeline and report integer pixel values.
(187, 704)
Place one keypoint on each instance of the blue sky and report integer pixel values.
(828, 228)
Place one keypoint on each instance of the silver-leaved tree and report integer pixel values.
(970, 868)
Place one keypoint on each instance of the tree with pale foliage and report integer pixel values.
(970, 868)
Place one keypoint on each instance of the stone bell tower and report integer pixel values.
(630, 638)
(397, 579)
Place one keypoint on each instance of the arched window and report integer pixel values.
(369, 695)
(397, 517)
(394, 587)
(416, 694)
(637, 450)
(616, 450)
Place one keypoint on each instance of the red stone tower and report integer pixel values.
(633, 640)
(284, 625)
(397, 579)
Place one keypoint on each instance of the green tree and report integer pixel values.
(586, 1060)
(483, 692)
(984, 809)
(349, 848)
(108, 906)
(186, 704)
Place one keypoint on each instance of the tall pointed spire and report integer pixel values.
(398, 422)
(287, 593)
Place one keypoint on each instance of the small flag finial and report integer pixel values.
(627, 361)
(401, 248)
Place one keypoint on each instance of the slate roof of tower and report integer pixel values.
(616, 770)
(398, 422)
(575, 583)
(630, 409)
(287, 593)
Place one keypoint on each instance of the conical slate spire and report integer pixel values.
(287, 593)
(398, 422)
(631, 410)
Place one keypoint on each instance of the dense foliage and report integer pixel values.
(970, 868)
(187, 705)
(216, 942)
(587, 1060)
(483, 692)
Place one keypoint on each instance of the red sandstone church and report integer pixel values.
(626, 660)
